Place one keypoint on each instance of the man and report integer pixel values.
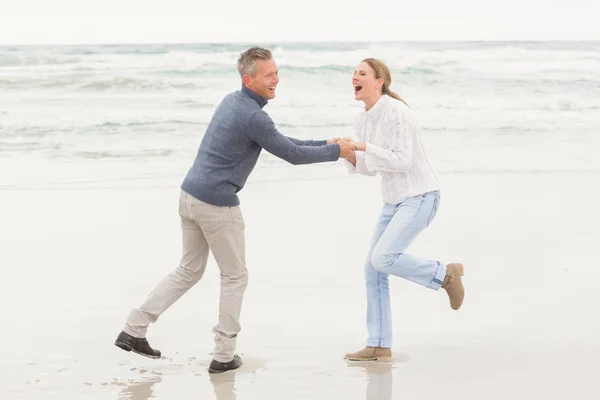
(211, 219)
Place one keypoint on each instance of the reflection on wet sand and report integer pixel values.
(140, 390)
(379, 379)
(223, 385)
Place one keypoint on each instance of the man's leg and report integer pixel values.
(191, 268)
(224, 231)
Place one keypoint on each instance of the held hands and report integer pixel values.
(348, 148)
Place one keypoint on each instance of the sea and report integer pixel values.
(83, 116)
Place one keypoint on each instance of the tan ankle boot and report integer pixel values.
(370, 354)
(453, 285)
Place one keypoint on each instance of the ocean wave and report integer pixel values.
(195, 103)
(122, 154)
(17, 83)
(135, 84)
(146, 123)
(324, 124)
(498, 98)
(27, 146)
(418, 71)
(142, 50)
(317, 68)
(199, 71)
(8, 60)
(181, 67)
(489, 56)
(74, 133)
(14, 83)
(27, 131)
(81, 82)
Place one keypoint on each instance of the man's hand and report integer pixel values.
(352, 158)
(346, 147)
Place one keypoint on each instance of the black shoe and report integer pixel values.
(137, 345)
(217, 367)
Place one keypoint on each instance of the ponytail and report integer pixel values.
(385, 90)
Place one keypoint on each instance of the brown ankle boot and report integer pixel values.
(370, 354)
(453, 285)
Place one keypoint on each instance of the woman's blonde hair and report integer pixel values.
(382, 71)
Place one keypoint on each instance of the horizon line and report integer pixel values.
(235, 42)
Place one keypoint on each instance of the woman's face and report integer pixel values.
(365, 84)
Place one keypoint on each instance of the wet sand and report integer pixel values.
(75, 260)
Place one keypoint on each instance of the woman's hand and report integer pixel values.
(360, 146)
(352, 158)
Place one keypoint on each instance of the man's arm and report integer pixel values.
(299, 142)
(262, 130)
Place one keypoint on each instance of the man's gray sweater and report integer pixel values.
(230, 148)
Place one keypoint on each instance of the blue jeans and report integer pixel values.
(397, 227)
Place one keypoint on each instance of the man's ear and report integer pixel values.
(246, 80)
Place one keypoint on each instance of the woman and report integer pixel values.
(387, 142)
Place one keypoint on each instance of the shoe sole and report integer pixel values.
(125, 346)
(216, 371)
(377, 359)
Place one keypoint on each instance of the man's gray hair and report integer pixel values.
(247, 60)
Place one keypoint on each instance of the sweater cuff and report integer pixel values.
(335, 150)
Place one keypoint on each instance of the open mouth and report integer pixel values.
(357, 88)
(272, 88)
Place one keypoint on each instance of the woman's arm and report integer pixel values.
(396, 152)
(358, 164)
(355, 163)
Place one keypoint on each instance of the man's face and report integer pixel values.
(266, 79)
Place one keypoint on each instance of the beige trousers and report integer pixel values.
(204, 228)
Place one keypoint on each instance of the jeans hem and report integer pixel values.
(380, 344)
(438, 279)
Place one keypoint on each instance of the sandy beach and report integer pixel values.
(76, 259)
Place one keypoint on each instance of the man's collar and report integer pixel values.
(261, 102)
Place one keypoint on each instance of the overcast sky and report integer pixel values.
(144, 21)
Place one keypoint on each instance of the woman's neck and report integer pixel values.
(369, 103)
